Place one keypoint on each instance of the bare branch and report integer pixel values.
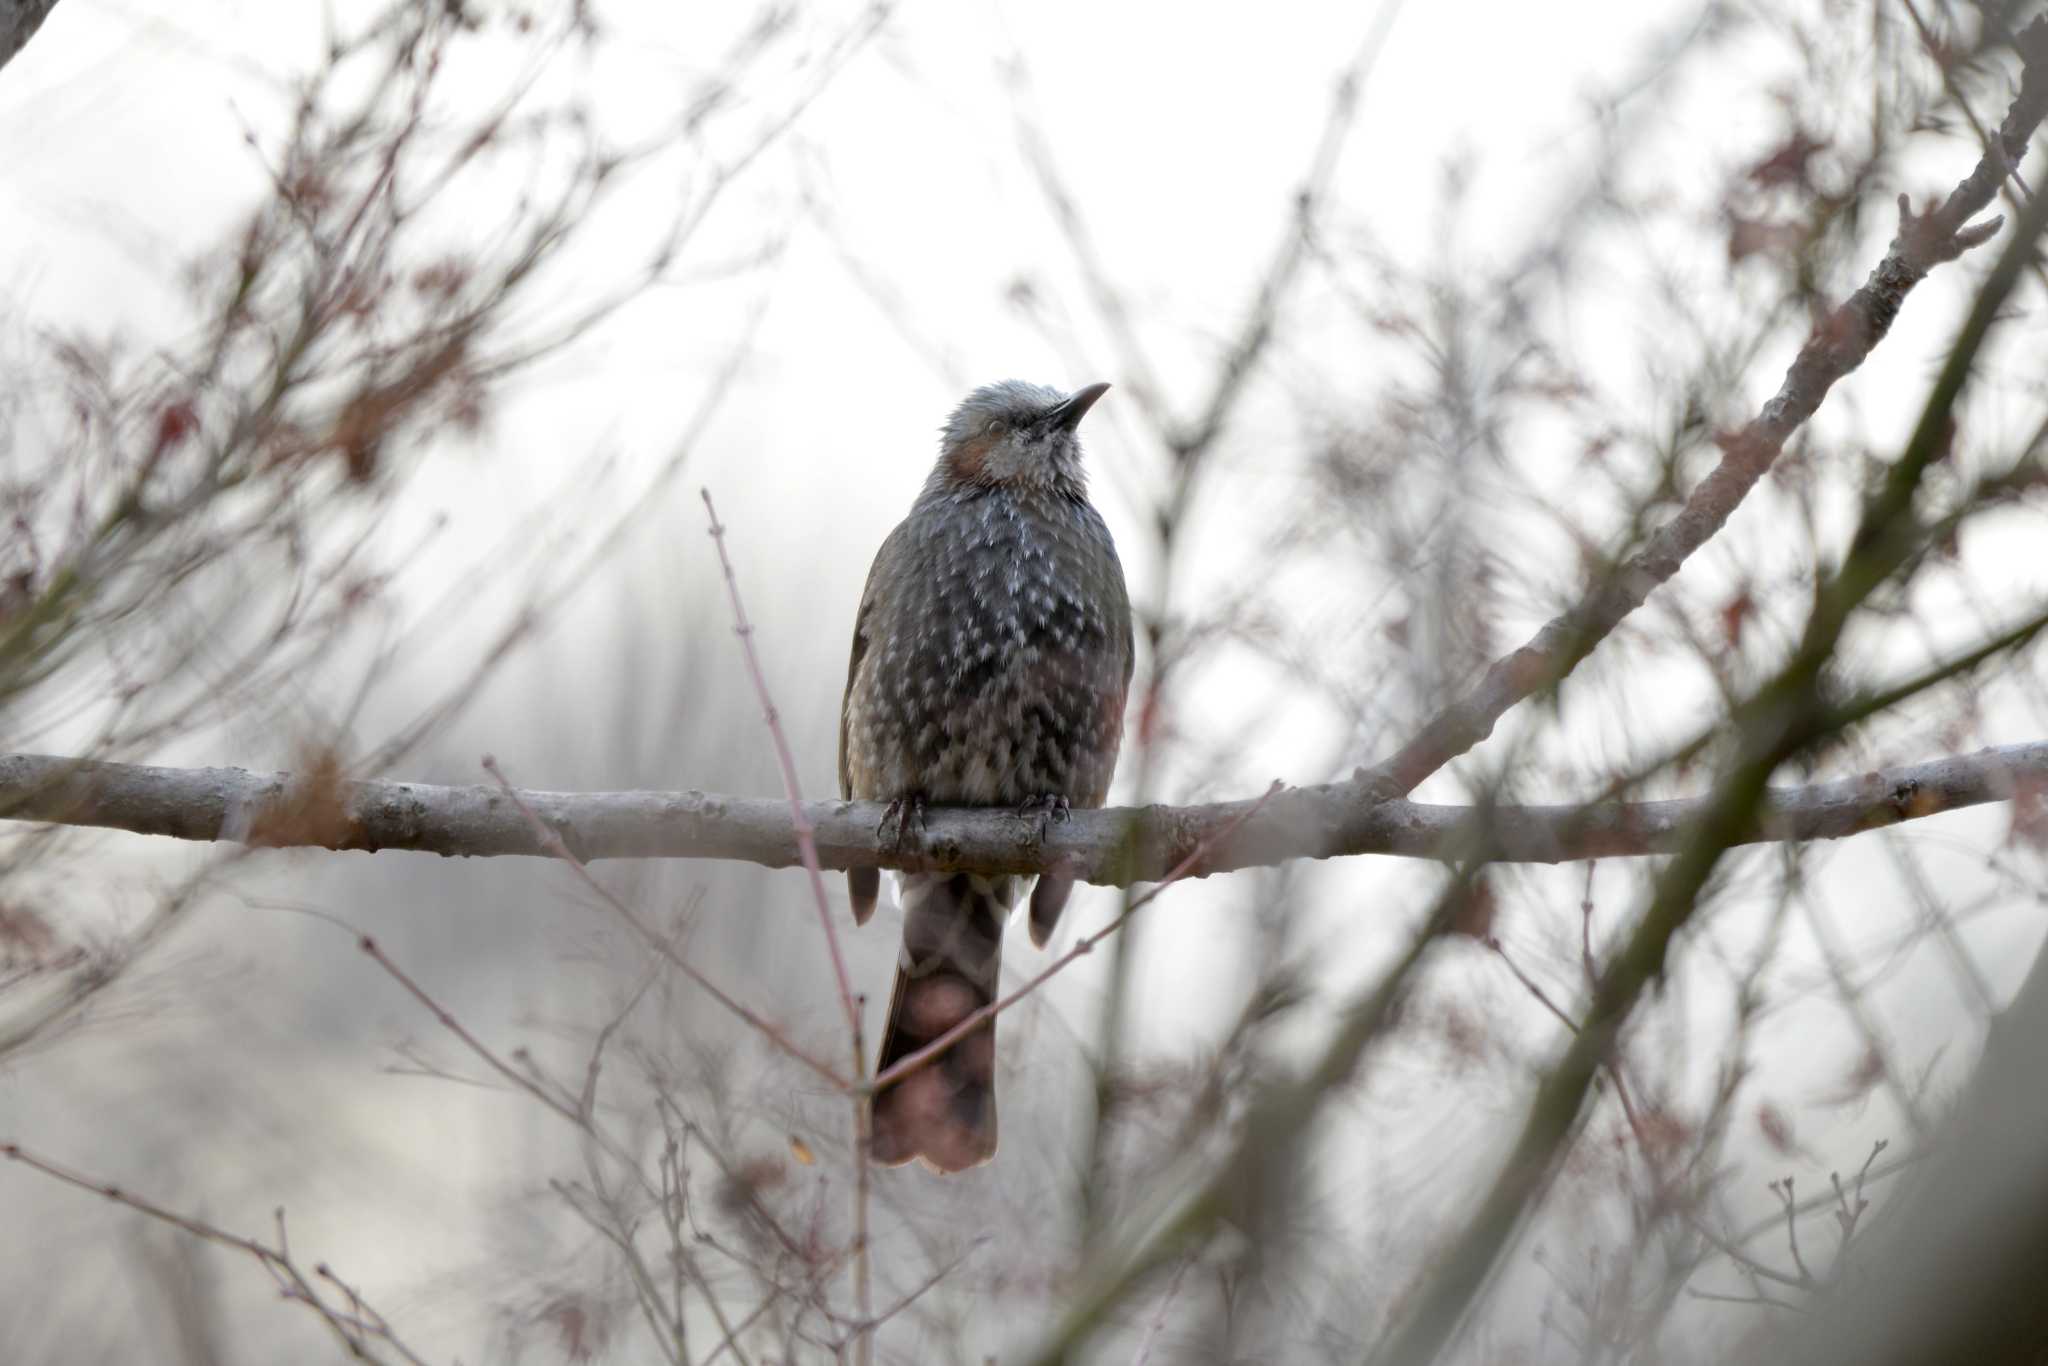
(1114, 846)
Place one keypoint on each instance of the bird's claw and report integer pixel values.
(903, 813)
(1051, 808)
(1059, 808)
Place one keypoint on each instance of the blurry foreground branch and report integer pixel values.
(1117, 846)
(19, 20)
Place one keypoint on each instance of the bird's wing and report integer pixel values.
(863, 621)
(1130, 642)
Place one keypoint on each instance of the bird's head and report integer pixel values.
(1016, 434)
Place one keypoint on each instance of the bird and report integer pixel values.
(991, 661)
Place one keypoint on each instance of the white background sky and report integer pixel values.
(1182, 131)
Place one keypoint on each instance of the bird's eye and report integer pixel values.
(992, 426)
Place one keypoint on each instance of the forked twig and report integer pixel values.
(807, 845)
(1782, 1188)
(1158, 1324)
(562, 1105)
(357, 1326)
(554, 844)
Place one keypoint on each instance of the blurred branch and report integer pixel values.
(19, 20)
(1188, 446)
(1189, 441)
(80, 976)
(1838, 345)
(360, 1330)
(1114, 846)
(1248, 1186)
(1952, 1270)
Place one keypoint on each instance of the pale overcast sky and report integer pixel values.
(890, 227)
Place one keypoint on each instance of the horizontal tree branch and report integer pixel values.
(1117, 846)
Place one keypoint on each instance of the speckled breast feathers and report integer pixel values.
(991, 659)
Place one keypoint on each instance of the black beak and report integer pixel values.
(1069, 413)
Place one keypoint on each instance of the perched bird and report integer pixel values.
(991, 659)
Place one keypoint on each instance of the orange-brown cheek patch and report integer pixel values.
(969, 460)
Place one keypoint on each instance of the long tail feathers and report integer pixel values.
(945, 1111)
(862, 886)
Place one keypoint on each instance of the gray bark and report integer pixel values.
(1116, 846)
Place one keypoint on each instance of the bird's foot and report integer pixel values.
(903, 813)
(1051, 808)
(1052, 805)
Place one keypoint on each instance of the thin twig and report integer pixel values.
(558, 1099)
(1152, 1330)
(606, 1222)
(807, 847)
(355, 1328)
(915, 1295)
(806, 841)
(1529, 985)
(1190, 1196)
(1730, 1245)
(730, 1342)
(1783, 1190)
(1758, 1298)
(1662, 1184)
(567, 1108)
(1849, 1211)
(554, 845)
